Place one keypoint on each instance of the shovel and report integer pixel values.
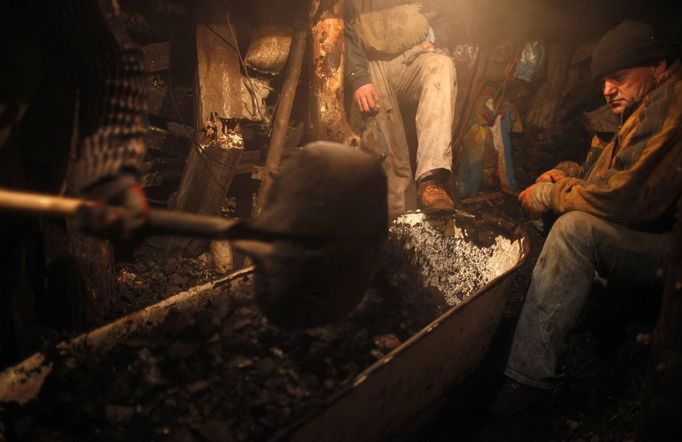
(314, 243)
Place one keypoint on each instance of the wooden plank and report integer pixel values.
(204, 186)
(213, 161)
(249, 161)
(219, 82)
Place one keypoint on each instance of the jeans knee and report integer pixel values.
(574, 228)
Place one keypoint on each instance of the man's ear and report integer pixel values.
(661, 70)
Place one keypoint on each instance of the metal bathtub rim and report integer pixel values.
(346, 418)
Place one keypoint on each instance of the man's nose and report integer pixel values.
(609, 88)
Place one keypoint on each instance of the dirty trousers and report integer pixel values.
(578, 245)
(429, 80)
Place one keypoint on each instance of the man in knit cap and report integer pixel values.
(615, 211)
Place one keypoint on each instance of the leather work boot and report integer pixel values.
(514, 398)
(434, 199)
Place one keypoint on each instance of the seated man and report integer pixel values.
(617, 211)
(390, 59)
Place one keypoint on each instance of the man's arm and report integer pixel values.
(357, 75)
(645, 189)
(565, 169)
(357, 72)
(109, 73)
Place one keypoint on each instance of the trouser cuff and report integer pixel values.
(529, 382)
(440, 174)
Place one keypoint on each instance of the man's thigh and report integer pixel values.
(619, 253)
(410, 71)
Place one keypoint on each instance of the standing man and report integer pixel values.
(616, 211)
(68, 68)
(391, 58)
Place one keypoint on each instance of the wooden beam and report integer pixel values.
(283, 115)
(214, 158)
(327, 114)
(218, 67)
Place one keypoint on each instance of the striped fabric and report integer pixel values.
(111, 80)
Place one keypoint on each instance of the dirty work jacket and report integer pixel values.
(356, 54)
(637, 178)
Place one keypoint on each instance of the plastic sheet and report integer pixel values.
(530, 61)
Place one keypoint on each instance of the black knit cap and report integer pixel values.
(629, 44)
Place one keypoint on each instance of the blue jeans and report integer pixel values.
(578, 245)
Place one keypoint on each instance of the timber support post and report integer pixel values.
(214, 158)
(283, 114)
(327, 115)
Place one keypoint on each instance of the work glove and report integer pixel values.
(121, 208)
(537, 199)
(551, 176)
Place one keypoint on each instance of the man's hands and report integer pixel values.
(537, 199)
(367, 98)
(123, 209)
(551, 176)
(428, 46)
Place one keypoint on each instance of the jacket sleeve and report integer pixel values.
(111, 79)
(356, 69)
(644, 190)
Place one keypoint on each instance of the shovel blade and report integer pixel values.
(326, 190)
(308, 286)
(333, 200)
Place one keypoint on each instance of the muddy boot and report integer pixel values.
(434, 199)
(514, 398)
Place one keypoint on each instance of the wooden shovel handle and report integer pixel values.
(160, 221)
(190, 224)
(40, 204)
